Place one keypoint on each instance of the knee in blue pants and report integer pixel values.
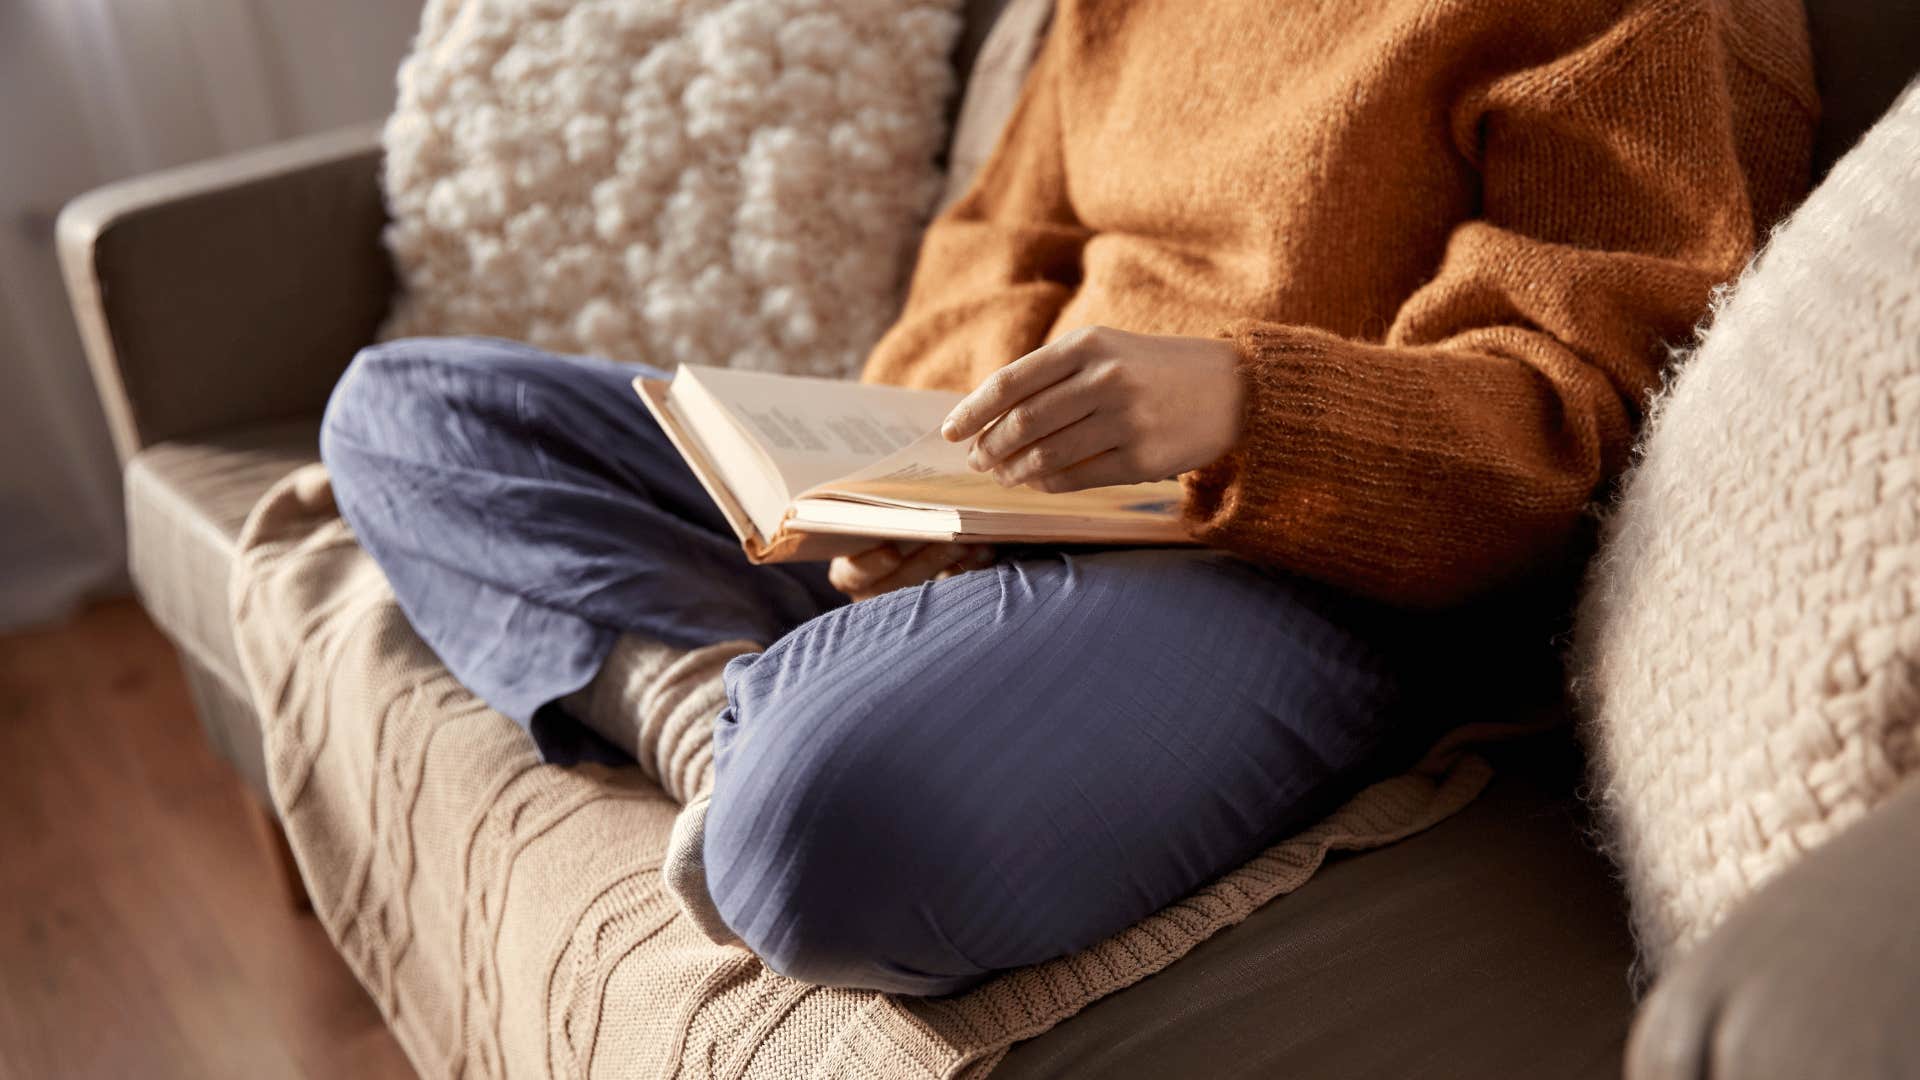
(410, 397)
(527, 511)
(393, 404)
(828, 850)
(987, 772)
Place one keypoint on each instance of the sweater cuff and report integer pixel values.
(1227, 498)
(1318, 481)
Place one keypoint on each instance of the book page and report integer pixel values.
(933, 473)
(817, 430)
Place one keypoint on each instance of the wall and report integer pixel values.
(96, 90)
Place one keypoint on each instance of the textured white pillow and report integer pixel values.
(1749, 644)
(719, 181)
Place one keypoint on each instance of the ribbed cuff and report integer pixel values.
(1269, 477)
(1332, 477)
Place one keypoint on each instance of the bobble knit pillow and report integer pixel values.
(719, 181)
(1749, 645)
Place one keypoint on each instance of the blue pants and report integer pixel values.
(913, 791)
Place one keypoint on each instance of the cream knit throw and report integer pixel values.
(509, 917)
(718, 181)
(1750, 640)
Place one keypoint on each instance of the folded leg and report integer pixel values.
(986, 772)
(528, 511)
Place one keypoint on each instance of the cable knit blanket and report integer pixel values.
(508, 916)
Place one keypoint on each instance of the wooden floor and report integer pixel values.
(143, 932)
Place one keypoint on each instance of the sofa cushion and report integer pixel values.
(1493, 944)
(186, 501)
(1750, 637)
(734, 182)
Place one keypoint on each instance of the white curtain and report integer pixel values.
(95, 90)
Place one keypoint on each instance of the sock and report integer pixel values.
(685, 871)
(658, 703)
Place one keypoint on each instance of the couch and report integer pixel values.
(219, 302)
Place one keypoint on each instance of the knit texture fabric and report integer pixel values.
(1451, 242)
(734, 182)
(1749, 643)
(510, 919)
(657, 703)
(683, 868)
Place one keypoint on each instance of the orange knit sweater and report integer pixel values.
(1453, 243)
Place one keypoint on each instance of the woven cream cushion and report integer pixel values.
(1749, 645)
(720, 181)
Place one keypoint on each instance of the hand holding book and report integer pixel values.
(1101, 406)
(810, 469)
(899, 565)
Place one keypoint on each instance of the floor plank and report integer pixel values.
(142, 929)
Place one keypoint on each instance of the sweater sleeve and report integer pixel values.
(1620, 183)
(997, 266)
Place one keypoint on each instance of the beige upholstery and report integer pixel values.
(232, 293)
(186, 501)
(1817, 977)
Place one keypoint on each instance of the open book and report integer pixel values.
(809, 468)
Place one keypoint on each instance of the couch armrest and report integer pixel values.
(1817, 975)
(231, 292)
